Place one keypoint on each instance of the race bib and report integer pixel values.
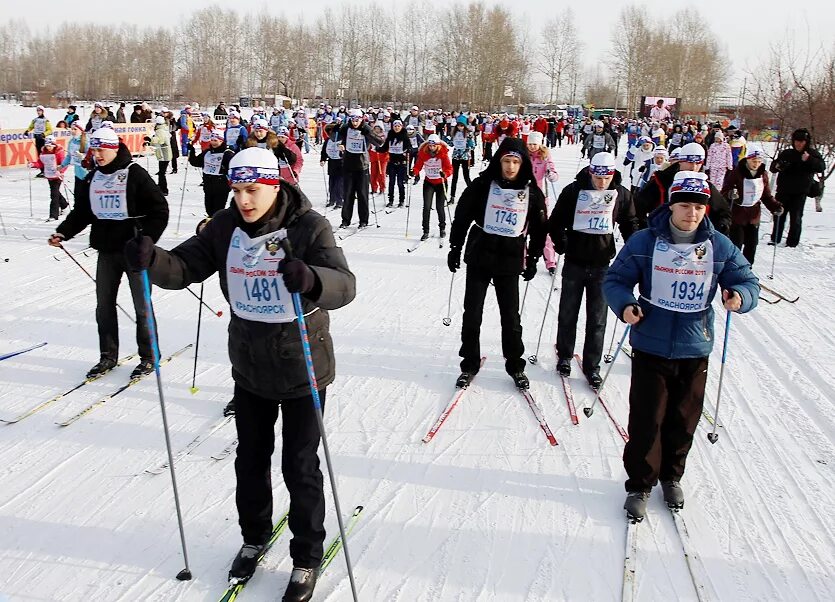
(355, 142)
(488, 128)
(332, 150)
(593, 214)
(432, 168)
(108, 195)
(231, 136)
(598, 141)
(428, 126)
(413, 141)
(752, 192)
(256, 287)
(396, 148)
(40, 126)
(205, 135)
(681, 276)
(526, 128)
(506, 211)
(211, 163)
(50, 166)
(675, 139)
(459, 143)
(282, 164)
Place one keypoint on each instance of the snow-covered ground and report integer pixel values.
(486, 511)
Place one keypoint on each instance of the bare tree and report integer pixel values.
(558, 58)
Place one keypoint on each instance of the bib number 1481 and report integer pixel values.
(262, 289)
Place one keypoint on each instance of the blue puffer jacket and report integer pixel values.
(73, 150)
(666, 333)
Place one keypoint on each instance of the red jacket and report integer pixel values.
(442, 154)
(541, 125)
(59, 158)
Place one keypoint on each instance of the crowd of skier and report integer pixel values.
(686, 198)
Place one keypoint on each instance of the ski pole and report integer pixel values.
(90, 276)
(773, 259)
(182, 197)
(314, 393)
(533, 359)
(194, 388)
(185, 574)
(374, 205)
(608, 357)
(203, 303)
(6, 356)
(448, 320)
(524, 296)
(446, 202)
(590, 410)
(2, 223)
(713, 436)
(408, 208)
(29, 173)
(327, 188)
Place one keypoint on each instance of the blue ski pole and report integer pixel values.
(6, 356)
(713, 437)
(590, 410)
(314, 392)
(185, 574)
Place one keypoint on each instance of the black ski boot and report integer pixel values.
(104, 366)
(243, 567)
(636, 505)
(300, 587)
(673, 494)
(442, 233)
(521, 381)
(594, 378)
(400, 204)
(464, 380)
(144, 367)
(425, 236)
(564, 367)
(362, 226)
(229, 410)
(390, 203)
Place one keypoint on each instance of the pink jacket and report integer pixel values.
(719, 160)
(286, 172)
(543, 167)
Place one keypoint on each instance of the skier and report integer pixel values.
(690, 157)
(117, 197)
(97, 117)
(398, 147)
(543, 167)
(265, 347)
(658, 162)
(235, 134)
(745, 187)
(204, 132)
(582, 227)
(161, 141)
(50, 162)
(597, 142)
(463, 144)
(433, 158)
(415, 140)
(719, 160)
(333, 156)
(290, 159)
(676, 139)
(795, 167)
(488, 137)
(214, 163)
(71, 117)
(378, 158)
(186, 129)
(507, 207)
(638, 155)
(76, 151)
(40, 128)
(677, 264)
(355, 137)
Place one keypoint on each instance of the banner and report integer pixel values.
(17, 148)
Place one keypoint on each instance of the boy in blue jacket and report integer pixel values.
(677, 263)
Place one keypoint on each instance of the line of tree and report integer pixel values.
(462, 55)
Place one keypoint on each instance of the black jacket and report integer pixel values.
(267, 358)
(654, 194)
(145, 201)
(358, 161)
(334, 165)
(213, 185)
(494, 254)
(589, 250)
(795, 174)
(394, 158)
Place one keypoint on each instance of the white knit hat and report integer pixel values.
(535, 138)
(104, 138)
(602, 164)
(254, 165)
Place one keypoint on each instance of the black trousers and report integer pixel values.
(745, 238)
(355, 185)
(436, 190)
(40, 142)
(487, 151)
(397, 172)
(162, 181)
(109, 270)
(665, 402)
(175, 151)
(214, 198)
(793, 205)
(463, 165)
(56, 199)
(507, 296)
(577, 279)
(335, 188)
(255, 419)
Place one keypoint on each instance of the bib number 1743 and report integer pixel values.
(506, 217)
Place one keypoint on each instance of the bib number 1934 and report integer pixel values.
(687, 291)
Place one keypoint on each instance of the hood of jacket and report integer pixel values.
(494, 169)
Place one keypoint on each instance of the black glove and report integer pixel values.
(417, 179)
(298, 278)
(453, 260)
(530, 268)
(202, 224)
(560, 243)
(780, 210)
(147, 140)
(139, 253)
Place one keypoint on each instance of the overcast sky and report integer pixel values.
(746, 28)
